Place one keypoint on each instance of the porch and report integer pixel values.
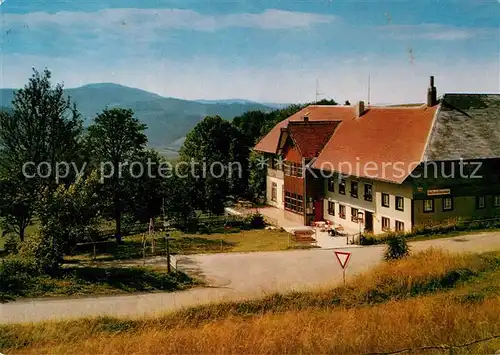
(281, 218)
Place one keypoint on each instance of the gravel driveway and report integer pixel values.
(233, 276)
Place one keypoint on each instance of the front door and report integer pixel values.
(318, 210)
(368, 221)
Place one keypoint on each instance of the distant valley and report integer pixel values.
(168, 119)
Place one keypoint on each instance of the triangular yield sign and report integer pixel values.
(343, 258)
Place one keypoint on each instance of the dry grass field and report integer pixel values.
(429, 299)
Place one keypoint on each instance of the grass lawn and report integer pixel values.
(432, 298)
(239, 241)
(80, 281)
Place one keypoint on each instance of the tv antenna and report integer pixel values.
(369, 88)
(317, 91)
(411, 54)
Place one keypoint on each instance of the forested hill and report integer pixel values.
(168, 119)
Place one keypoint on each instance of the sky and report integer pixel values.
(263, 50)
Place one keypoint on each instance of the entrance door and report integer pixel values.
(368, 221)
(318, 210)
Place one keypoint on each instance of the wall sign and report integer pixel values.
(438, 192)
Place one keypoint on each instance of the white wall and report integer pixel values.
(374, 206)
(279, 201)
(403, 190)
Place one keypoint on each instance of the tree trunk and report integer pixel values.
(22, 230)
(116, 204)
(118, 222)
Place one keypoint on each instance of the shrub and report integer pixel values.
(11, 245)
(204, 228)
(256, 221)
(42, 252)
(370, 239)
(397, 248)
(15, 276)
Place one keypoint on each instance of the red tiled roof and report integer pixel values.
(269, 143)
(311, 137)
(384, 143)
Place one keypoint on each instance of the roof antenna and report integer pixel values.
(317, 91)
(369, 89)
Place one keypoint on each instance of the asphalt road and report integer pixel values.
(233, 276)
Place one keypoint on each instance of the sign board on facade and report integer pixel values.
(438, 192)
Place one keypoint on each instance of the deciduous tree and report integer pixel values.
(42, 129)
(115, 138)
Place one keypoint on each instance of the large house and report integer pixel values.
(387, 168)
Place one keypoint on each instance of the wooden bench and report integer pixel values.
(304, 236)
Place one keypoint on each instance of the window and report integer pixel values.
(294, 202)
(354, 214)
(342, 211)
(400, 226)
(480, 202)
(496, 201)
(331, 184)
(292, 169)
(447, 204)
(342, 187)
(331, 208)
(400, 203)
(354, 189)
(274, 192)
(428, 205)
(368, 192)
(385, 200)
(386, 224)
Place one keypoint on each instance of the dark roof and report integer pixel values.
(467, 127)
(311, 137)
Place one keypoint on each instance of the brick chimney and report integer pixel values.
(360, 109)
(431, 93)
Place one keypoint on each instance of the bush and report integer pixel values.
(370, 239)
(256, 221)
(397, 248)
(11, 245)
(15, 276)
(42, 253)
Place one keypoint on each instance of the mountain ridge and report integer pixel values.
(168, 119)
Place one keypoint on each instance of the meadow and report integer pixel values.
(432, 298)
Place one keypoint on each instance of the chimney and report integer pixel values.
(360, 108)
(431, 93)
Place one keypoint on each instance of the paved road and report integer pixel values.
(233, 277)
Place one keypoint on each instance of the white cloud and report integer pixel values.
(435, 32)
(392, 81)
(147, 21)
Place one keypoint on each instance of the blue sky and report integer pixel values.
(262, 50)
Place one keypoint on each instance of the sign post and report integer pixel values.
(343, 259)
